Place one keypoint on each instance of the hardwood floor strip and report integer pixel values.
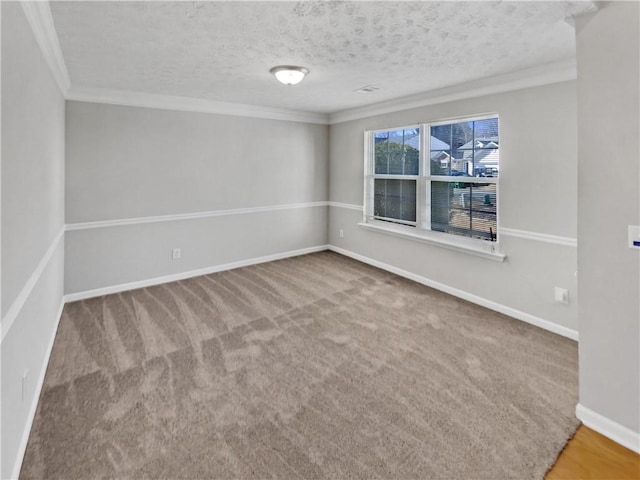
(591, 456)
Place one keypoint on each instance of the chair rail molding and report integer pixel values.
(189, 216)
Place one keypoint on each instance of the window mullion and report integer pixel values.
(369, 163)
(419, 205)
(426, 176)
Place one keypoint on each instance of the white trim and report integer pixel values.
(479, 248)
(1, 150)
(507, 232)
(539, 237)
(22, 297)
(531, 77)
(423, 190)
(511, 312)
(188, 216)
(39, 17)
(460, 119)
(393, 176)
(413, 126)
(593, 420)
(367, 188)
(22, 448)
(188, 104)
(462, 179)
(610, 429)
(98, 292)
(349, 206)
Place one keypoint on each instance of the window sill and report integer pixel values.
(439, 239)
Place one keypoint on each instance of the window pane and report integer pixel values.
(473, 148)
(395, 199)
(381, 140)
(447, 149)
(440, 162)
(485, 129)
(486, 152)
(486, 162)
(441, 137)
(462, 148)
(464, 209)
(397, 152)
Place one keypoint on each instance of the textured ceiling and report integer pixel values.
(223, 50)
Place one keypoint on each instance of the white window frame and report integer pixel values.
(371, 176)
(421, 231)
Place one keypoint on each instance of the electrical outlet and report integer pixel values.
(634, 236)
(176, 253)
(23, 387)
(561, 295)
(341, 233)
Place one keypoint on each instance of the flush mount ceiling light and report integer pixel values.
(289, 74)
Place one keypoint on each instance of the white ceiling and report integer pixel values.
(222, 51)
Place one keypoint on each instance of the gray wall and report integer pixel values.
(609, 174)
(537, 193)
(32, 154)
(129, 162)
(32, 214)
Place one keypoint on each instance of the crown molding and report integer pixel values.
(38, 14)
(40, 20)
(531, 77)
(588, 7)
(187, 104)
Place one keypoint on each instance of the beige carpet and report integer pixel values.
(310, 367)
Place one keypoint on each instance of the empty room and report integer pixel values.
(320, 239)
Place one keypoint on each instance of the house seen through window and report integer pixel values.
(440, 176)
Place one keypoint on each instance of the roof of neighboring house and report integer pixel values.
(483, 150)
(486, 149)
(437, 144)
(482, 142)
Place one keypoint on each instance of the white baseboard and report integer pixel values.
(98, 292)
(610, 429)
(119, 288)
(512, 312)
(593, 420)
(36, 397)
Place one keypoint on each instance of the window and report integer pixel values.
(438, 177)
(396, 168)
